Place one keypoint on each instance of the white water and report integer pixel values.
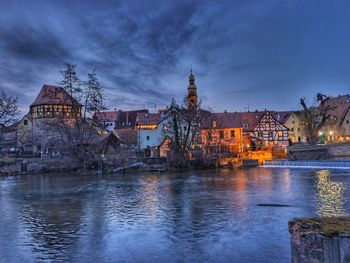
(327, 164)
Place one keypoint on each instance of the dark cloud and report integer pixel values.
(243, 52)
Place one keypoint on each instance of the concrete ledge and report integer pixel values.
(320, 240)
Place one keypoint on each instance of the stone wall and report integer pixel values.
(327, 151)
(320, 240)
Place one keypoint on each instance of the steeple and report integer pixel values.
(192, 98)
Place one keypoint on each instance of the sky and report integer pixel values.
(247, 54)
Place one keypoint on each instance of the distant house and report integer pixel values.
(148, 133)
(24, 134)
(270, 131)
(297, 128)
(337, 127)
(117, 120)
(53, 103)
(265, 127)
(108, 119)
(222, 133)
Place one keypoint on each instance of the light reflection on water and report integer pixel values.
(330, 195)
(205, 216)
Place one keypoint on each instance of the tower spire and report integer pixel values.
(192, 92)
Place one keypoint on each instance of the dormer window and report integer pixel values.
(214, 124)
(245, 125)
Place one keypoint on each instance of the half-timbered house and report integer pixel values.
(270, 131)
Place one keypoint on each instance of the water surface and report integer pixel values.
(197, 216)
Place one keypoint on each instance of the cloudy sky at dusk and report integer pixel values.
(265, 54)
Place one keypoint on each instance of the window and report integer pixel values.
(267, 125)
(270, 134)
(222, 134)
(185, 128)
(280, 133)
(147, 138)
(292, 129)
(232, 133)
(214, 124)
(25, 122)
(260, 135)
(347, 121)
(298, 129)
(245, 125)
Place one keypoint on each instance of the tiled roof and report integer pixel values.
(223, 120)
(341, 104)
(53, 95)
(148, 118)
(127, 119)
(106, 116)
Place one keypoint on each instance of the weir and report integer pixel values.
(330, 164)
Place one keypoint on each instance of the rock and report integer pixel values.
(320, 240)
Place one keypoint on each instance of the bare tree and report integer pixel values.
(78, 133)
(184, 131)
(71, 82)
(93, 95)
(315, 117)
(8, 110)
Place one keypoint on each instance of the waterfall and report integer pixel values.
(329, 164)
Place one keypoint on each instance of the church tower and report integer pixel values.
(192, 99)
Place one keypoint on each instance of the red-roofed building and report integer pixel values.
(222, 134)
(51, 105)
(112, 120)
(53, 102)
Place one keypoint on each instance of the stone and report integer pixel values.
(320, 240)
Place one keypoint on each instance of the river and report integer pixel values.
(200, 216)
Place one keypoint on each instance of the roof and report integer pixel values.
(53, 95)
(106, 116)
(127, 119)
(223, 120)
(282, 116)
(148, 118)
(252, 119)
(340, 105)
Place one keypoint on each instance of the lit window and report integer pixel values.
(280, 133)
(267, 125)
(214, 124)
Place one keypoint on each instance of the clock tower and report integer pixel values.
(192, 99)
